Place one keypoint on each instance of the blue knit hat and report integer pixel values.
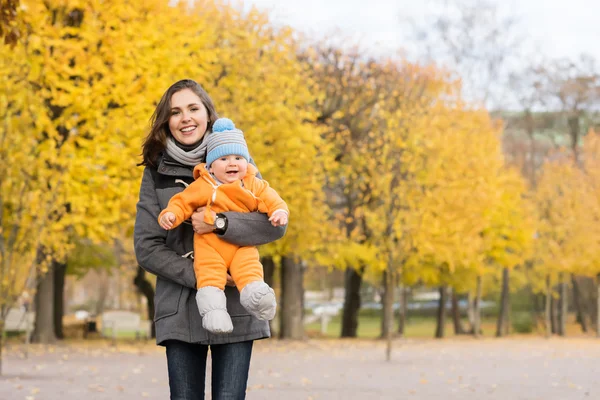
(225, 140)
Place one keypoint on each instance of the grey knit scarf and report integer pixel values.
(190, 158)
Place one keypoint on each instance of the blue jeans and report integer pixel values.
(186, 363)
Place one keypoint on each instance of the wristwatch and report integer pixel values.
(220, 224)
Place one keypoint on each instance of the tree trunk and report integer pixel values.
(579, 304)
(458, 328)
(403, 310)
(352, 283)
(388, 308)
(269, 276)
(548, 308)
(471, 312)
(587, 296)
(145, 288)
(292, 299)
(387, 320)
(477, 307)
(59, 272)
(441, 314)
(1, 343)
(598, 305)
(563, 310)
(554, 313)
(502, 324)
(269, 270)
(102, 291)
(44, 331)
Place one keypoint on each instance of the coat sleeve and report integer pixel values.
(151, 250)
(251, 229)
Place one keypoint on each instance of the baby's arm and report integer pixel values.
(183, 204)
(275, 206)
(166, 220)
(279, 218)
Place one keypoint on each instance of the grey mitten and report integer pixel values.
(212, 305)
(259, 300)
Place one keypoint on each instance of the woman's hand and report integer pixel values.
(201, 227)
(230, 281)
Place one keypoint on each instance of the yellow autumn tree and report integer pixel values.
(9, 24)
(460, 160)
(257, 79)
(411, 92)
(86, 73)
(94, 70)
(567, 232)
(352, 92)
(590, 260)
(454, 192)
(507, 243)
(26, 203)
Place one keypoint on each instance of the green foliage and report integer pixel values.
(522, 322)
(87, 255)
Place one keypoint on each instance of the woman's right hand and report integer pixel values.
(201, 227)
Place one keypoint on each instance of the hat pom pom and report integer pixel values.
(223, 124)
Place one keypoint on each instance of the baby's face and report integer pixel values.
(228, 169)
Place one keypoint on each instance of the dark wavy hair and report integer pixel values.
(156, 141)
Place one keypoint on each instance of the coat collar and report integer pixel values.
(168, 166)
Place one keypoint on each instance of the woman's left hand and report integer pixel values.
(201, 227)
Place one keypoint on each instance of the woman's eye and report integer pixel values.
(174, 112)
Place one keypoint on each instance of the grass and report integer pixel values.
(369, 326)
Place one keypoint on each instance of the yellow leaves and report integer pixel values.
(568, 212)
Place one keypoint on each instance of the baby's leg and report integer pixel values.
(211, 275)
(255, 295)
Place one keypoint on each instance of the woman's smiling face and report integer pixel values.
(189, 118)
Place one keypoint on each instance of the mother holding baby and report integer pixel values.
(173, 147)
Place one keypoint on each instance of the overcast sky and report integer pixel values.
(558, 28)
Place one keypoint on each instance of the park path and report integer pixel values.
(495, 369)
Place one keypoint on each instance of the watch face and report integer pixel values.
(220, 223)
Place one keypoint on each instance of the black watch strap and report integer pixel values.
(220, 224)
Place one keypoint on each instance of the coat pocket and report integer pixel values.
(166, 298)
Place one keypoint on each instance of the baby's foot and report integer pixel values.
(259, 300)
(212, 305)
(217, 321)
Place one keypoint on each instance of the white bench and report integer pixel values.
(120, 321)
(19, 320)
(323, 313)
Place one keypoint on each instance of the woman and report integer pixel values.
(170, 151)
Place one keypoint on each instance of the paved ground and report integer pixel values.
(465, 369)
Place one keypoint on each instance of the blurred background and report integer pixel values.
(441, 161)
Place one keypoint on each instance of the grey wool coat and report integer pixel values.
(166, 254)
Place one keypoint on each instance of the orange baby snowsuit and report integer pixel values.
(212, 255)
